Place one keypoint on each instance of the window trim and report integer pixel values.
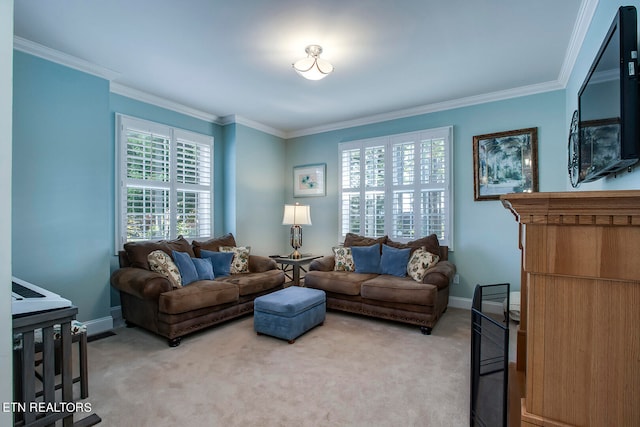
(445, 132)
(124, 122)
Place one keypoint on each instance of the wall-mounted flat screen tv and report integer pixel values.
(608, 103)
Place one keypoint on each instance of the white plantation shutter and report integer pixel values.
(350, 190)
(404, 183)
(165, 182)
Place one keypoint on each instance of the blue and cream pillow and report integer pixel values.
(162, 263)
(343, 259)
(421, 260)
(240, 261)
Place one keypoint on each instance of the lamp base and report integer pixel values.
(295, 254)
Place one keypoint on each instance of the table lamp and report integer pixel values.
(296, 215)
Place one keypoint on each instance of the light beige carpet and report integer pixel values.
(352, 371)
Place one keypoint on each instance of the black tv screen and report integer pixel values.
(608, 102)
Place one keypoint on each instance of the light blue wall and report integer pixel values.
(602, 19)
(256, 165)
(62, 180)
(485, 242)
(229, 142)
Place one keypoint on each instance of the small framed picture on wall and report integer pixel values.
(309, 180)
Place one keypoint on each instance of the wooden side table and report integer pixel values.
(293, 266)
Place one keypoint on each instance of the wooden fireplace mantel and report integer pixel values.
(578, 341)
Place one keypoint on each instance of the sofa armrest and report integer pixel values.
(140, 283)
(440, 274)
(326, 263)
(258, 264)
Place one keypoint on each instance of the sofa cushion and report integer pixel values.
(421, 261)
(352, 239)
(394, 261)
(340, 282)
(343, 259)
(366, 258)
(162, 263)
(430, 243)
(240, 261)
(188, 271)
(252, 283)
(137, 252)
(399, 290)
(200, 294)
(213, 244)
(220, 261)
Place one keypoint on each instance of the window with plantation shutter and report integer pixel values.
(398, 185)
(165, 182)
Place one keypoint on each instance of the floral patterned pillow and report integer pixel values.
(344, 259)
(162, 263)
(421, 260)
(240, 261)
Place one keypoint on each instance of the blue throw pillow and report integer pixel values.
(394, 261)
(221, 261)
(187, 269)
(366, 258)
(204, 268)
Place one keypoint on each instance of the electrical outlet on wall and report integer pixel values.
(456, 279)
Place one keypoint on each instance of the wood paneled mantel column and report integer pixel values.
(579, 337)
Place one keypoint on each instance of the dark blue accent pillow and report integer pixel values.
(221, 261)
(394, 261)
(187, 269)
(204, 268)
(366, 258)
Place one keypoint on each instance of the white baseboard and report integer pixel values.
(487, 306)
(98, 326)
(116, 315)
(459, 302)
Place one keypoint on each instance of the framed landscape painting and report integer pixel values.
(505, 162)
(309, 180)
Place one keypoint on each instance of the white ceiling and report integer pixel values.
(226, 58)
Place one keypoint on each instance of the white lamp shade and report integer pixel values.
(296, 215)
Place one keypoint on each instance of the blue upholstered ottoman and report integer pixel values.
(289, 313)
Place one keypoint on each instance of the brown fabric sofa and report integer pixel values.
(386, 296)
(149, 300)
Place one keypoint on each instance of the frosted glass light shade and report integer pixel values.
(313, 67)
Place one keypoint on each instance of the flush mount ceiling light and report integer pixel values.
(313, 67)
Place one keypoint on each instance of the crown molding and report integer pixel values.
(158, 101)
(432, 108)
(234, 118)
(35, 49)
(585, 15)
